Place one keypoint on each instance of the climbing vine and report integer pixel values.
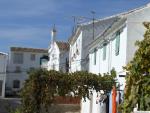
(42, 86)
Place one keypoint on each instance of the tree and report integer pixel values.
(43, 86)
(137, 91)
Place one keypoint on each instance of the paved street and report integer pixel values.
(7, 103)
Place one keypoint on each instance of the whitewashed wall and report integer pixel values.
(132, 31)
(25, 67)
(88, 37)
(136, 30)
(3, 64)
(111, 61)
(54, 57)
(75, 61)
(16, 76)
(57, 58)
(117, 62)
(27, 63)
(85, 106)
(103, 64)
(100, 64)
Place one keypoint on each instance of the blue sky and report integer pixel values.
(27, 23)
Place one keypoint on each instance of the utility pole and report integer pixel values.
(75, 24)
(93, 13)
(81, 19)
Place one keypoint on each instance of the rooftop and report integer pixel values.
(24, 49)
(62, 45)
(1, 53)
(123, 14)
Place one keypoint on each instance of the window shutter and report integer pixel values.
(104, 52)
(95, 56)
(117, 48)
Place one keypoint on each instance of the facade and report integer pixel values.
(80, 56)
(114, 48)
(75, 57)
(3, 65)
(80, 41)
(58, 54)
(21, 61)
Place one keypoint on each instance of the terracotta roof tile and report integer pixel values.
(63, 45)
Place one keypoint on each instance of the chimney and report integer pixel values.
(53, 35)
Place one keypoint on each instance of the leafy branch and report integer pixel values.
(43, 86)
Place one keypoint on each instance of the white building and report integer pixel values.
(58, 54)
(79, 50)
(115, 47)
(75, 57)
(85, 34)
(22, 60)
(79, 44)
(3, 65)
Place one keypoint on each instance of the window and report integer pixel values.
(18, 58)
(104, 52)
(16, 84)
(95, 51)
(32, 57)
(18, 69)
(117, 47)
